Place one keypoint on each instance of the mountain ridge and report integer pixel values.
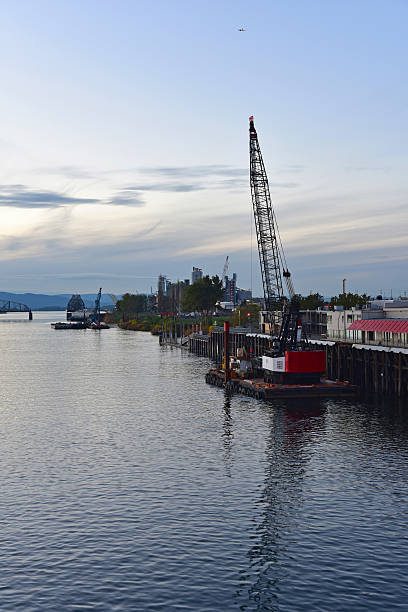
(37, 301)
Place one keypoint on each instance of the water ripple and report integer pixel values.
(127, 483)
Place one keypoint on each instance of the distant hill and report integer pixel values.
(40, 301)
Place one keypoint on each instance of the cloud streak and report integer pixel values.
(196, 171)
(127, 197)
(73, 172)
(19, 196)
(171, 187)
(220, 177)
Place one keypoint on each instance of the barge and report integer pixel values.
(79, 325)
(260, 389)
(63, 325)
(293, 374)
(92, 322)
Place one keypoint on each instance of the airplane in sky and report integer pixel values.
(241, 29)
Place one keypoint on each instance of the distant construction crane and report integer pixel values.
(96, 313)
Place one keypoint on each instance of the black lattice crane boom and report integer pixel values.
(271, 254)
(265, 225)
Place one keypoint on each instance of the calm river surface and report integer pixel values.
(129, 484)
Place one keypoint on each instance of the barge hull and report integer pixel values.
(259, 389)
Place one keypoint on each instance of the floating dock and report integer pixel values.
(258, 388)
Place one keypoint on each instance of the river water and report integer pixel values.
(129, 484)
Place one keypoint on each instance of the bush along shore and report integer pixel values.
(155, 324)
(132, 312)
(148, 322)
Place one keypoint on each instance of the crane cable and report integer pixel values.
(287, 275)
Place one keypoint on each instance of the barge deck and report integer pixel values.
(258, 388)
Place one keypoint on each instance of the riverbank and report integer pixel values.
(156, 324)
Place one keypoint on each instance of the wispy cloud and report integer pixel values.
(196, 171)
(292, 169)
(127, 197)
(90, 275)
(198, 178)
(177, 187)
(357, 168)
(19, 196)
(73, 172)
(289, 185)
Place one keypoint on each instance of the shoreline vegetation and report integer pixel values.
(132, 313)
(154, 324)
(148, 322)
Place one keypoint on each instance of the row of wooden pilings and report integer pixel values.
(212, 346)
(177, 333)
(380, 371)
(373, 370)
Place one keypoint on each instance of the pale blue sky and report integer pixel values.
(124, 141)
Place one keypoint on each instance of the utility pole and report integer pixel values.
(344, 286)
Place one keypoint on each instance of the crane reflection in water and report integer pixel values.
(288, 449)
(227, 435)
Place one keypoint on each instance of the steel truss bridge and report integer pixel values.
(9, 306)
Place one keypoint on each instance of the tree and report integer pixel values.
(348, 300)
(246, 315)
(311, 302)
(131, 304)
(202, 295)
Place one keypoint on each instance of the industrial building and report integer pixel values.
(230, 289)
(169, 295)
(196, 274)
(382, 322)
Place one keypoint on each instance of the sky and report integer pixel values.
(124, 141)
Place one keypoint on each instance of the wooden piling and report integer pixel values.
(226, 351)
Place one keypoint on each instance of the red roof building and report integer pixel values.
(385, 332)
(394, 326)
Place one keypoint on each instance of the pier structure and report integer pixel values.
(376, 369)
(177, 333)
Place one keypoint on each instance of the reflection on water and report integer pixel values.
(227, 434)
(127, 483)
(290, 427)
